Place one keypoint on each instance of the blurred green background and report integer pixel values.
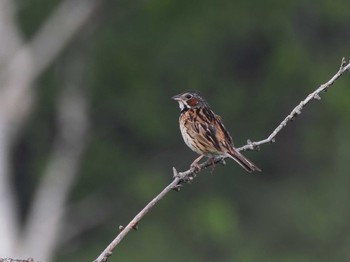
(254, 61)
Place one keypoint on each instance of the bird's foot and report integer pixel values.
(195, 167)
(212, 164)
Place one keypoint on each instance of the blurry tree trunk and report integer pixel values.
(10, 43)
(20, 65)
(47, 213)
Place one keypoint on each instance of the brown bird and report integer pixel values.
(204, 132)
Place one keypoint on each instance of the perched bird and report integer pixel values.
(204, 132)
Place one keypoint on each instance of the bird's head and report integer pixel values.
(189, 100)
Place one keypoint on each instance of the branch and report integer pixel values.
(297, 110)
(185, 177)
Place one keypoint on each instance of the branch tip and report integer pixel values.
(317, 97)
(175, 173)
(343, 63)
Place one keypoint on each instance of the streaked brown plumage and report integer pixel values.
(204, 132)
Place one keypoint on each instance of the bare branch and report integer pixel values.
(16, 260)
(297, 110)
(184, 177)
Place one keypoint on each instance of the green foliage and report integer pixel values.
(254, 61)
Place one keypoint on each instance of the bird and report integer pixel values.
(204, 133)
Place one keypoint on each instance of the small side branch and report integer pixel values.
(187, 176)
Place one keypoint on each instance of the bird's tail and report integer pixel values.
(243, 161)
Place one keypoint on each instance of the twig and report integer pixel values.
(16, 260)
(185, 177)
(297, 110)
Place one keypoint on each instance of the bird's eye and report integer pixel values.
(188, 96)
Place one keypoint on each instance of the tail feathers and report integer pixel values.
(243, 161)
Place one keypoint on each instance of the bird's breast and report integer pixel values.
(187, 133)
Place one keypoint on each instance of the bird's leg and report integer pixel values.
(212, 161)
(195, 166)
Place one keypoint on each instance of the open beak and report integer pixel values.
(176, 98)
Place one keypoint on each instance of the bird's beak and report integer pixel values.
(176, 98)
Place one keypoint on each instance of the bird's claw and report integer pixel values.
(195, 168)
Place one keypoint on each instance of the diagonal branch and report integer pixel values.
(184, 177)
(297, 110)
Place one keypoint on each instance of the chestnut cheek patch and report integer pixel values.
(192, 102)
